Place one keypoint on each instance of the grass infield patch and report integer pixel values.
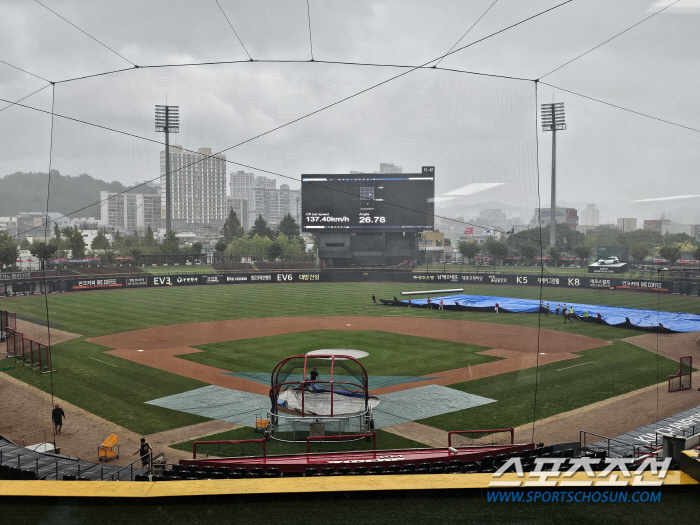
(389, 354)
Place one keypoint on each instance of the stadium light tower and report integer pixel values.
(553, 120)
(167, 121)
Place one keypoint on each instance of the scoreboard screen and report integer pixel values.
(366, 202)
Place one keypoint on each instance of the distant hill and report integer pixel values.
(21, 192)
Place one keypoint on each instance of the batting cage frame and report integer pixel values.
(302, 406)
(30, 352)
(683, 380)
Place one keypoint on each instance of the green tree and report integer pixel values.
(56, 230)
(43, 251)
(171, 244)
(220, 246)
(670, 253)
(77, 243)
(261, 229)
(100, 242)
(239, 248)
(149, 240)
(582, 254)
(468, 249)
(497, 249)
(529, 251)
(554, 253)
(275, 251)
(232, 227)
(259, 247)
(640, 251)
(196, 248)
(9, 251)
(696, 254)
(24, 244)
(288, 227)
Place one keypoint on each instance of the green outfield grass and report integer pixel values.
(387, 352)
(611, 371)
(105, 312)
(117, 389)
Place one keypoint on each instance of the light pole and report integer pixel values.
(553, 120)
(167, 121)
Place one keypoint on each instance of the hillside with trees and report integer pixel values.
(21, 192)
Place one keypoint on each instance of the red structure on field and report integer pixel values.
(684, 378)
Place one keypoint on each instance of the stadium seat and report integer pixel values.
(487, 462)
(523, 454)
(235, 475)
(68, 477)
(558, 454)
(81, 478)
(208, 469)
(139, 477)
(274, 470)
(469, 469)
(200, 474)
(548, 450)
(537, 452)
(15, 473)
(360, 470)
(310, 472)
(344, 470)
(409, 466)
(424, 465)
(455, 463)
(225, 470)
(178, 468)
(168, 473)
(241, 470)
(327, 471)
(393, 469)
(188, 478)
(439, 464)
(452, 469)
(253, 475)
(437, 470)
(421, 471)
(488, 470)
(192, 468)
(257, 470)
(377, 469)
(218, 475)
(500, 459)
(569, 453)
(29, 475)
(270, 475)
(158, 478)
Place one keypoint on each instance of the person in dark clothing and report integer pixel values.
(396, 301)
(599, 318)
(57, 415)
(374, 299)
(144, 452)
(313, 375)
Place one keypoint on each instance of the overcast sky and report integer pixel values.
(472, 128)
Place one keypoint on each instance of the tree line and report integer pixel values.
(534, 242)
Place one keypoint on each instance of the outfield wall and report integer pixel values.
(61, 284)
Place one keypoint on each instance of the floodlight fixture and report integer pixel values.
(167, 121)
(553, 119)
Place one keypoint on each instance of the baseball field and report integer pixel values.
(118, 352)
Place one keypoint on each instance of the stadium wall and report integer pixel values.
(57, 284)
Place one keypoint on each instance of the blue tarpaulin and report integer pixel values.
(612, 315)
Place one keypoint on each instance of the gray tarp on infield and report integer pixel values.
(373, 381)
(240, 408)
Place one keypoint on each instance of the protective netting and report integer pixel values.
(490, 237)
